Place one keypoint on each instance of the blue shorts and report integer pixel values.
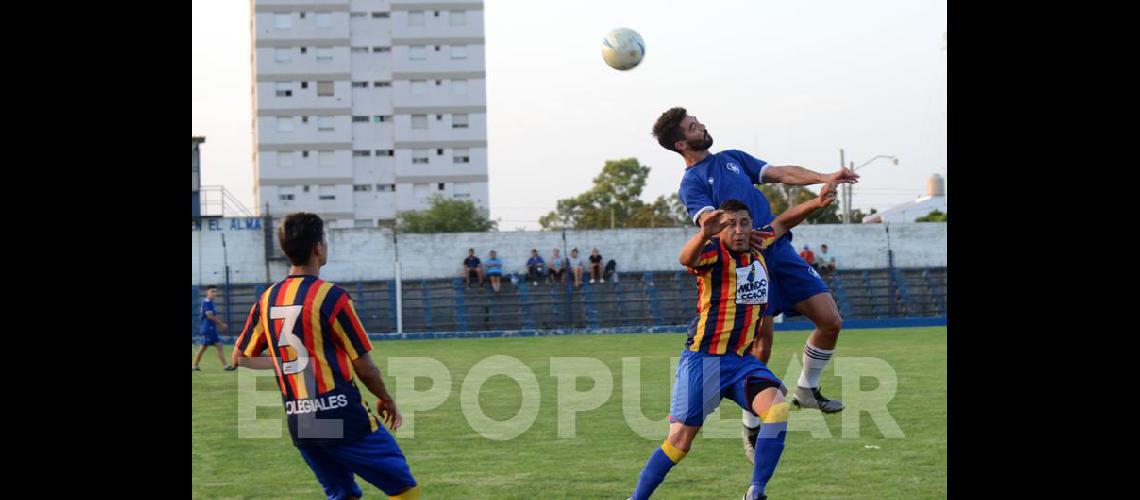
(703, 379)
(794, 280)
(376, 458)
(210, 338)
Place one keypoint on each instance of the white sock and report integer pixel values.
(750, 421)
(815, 359)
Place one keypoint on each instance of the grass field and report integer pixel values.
(450, 460)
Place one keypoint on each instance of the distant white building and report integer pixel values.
(935, 199)
(365, 108)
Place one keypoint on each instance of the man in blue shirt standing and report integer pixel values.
(709, 180)
(209, 330)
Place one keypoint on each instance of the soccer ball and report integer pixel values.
(622, 49)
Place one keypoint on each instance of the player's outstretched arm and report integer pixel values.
(368, 373)
(238, 358)
(710, 225)
(800, 176)
(792, 217)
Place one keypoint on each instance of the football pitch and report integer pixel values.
(894, 449)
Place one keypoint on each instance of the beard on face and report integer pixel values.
(702, 144)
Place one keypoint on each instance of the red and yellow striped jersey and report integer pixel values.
(312, 332)
(732, 294)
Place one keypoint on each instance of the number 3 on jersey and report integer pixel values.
(288, 338)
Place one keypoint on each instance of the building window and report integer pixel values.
(304, 50)
(283, 89)
(361, 187)
(325, 124)
(419, 156)
(362, 223)
(285, 193)
(459, 87)
(326, 158)
(326, 192)
(381, 49)
(305, 154)
(438, 118)
(437, 48)
(380, 15)
(304, 119)
(381, 84)
(460, 156)
(441, 186)
(305, 188)
(381, 119)
(304, 85)
(325, 89)
(458, 17)
(361, 152)
(359, 119)
(324, 20)
(419, 87)
(419, 121)
(284, 158)
(282, 21)
(356, 14)
(385, 152)
(360, 85)
(360, 50)
(416, 18)
(386, 188)
(284, 123)
(417, 53)
(439, 152)
(459, 121)
(283, 55)
(459, 52)
(302, 14)
(324, 54)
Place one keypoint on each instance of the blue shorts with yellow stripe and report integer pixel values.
(703, 379)
(376, 458)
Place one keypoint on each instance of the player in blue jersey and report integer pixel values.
(210, 322)
(712, 178)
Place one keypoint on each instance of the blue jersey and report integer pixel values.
(727, 175)
(207, 325)
(493, 266)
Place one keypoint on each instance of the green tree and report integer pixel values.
(934, 216)
(446, 216)
(857, 215)
(614, 201)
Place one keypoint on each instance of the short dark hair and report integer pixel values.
(823, 245)
(667, 130)
(211, 287)
(735, 206)
(298, 234)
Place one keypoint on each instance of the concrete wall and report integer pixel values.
(369, 253)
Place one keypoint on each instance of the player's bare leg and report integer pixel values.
(822, 311)
(222, 359)
(198, 356)
(750, 424)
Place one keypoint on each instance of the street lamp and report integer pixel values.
(847, 189)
